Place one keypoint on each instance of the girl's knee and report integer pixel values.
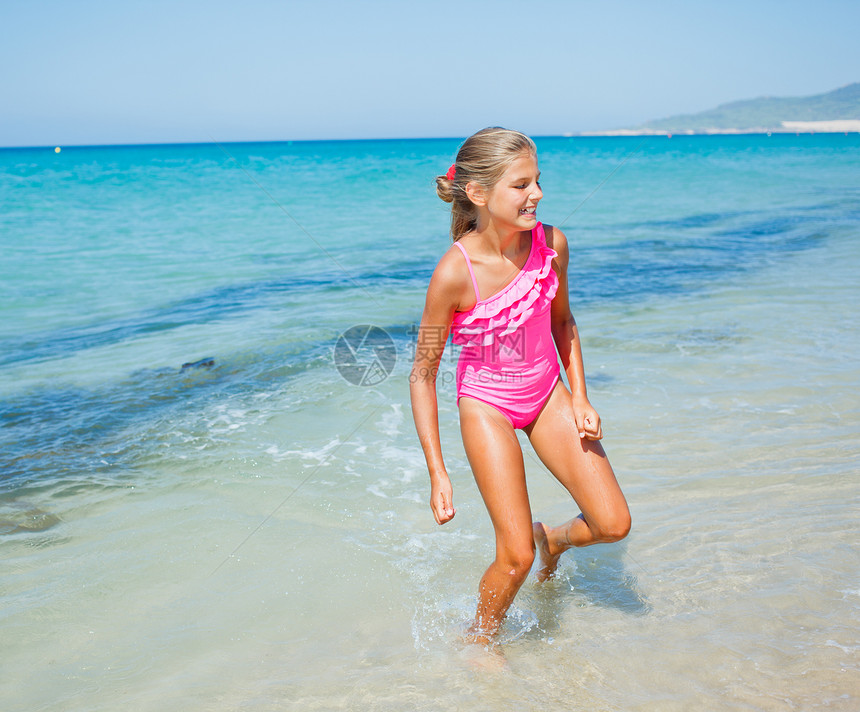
(518, 562)
(614, 528)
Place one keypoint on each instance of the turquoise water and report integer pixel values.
(253, 531)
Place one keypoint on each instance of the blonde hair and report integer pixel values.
(483, 159)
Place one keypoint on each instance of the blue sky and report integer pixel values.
(92, 71)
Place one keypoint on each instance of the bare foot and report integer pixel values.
(486, 658)
(476, 636)
(548, 562)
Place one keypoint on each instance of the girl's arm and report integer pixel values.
(443, 297)
(566, 337)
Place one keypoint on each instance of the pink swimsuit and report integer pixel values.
(508, 358)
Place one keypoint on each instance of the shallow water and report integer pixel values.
(255, 533)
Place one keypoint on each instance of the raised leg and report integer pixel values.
(582, 467)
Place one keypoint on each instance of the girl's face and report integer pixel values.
(513, 200)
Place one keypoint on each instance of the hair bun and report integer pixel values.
(445, 188)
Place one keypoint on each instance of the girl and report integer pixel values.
(501, 290)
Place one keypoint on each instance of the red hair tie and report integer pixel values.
(451, 172)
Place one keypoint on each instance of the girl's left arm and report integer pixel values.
(566, 337)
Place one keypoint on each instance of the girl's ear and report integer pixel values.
(476, 193)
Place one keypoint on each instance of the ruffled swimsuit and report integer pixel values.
(509, 360)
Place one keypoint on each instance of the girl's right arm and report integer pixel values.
(443, 298)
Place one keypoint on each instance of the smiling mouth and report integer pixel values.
(528, 211)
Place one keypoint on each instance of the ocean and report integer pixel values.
(212, 496)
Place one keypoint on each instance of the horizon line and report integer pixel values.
(614, 134)
(213, 142)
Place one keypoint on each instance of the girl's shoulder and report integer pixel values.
(452, 265)
(554, 237)
(556, 240)
(451, 280)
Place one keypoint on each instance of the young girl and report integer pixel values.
(501, 289)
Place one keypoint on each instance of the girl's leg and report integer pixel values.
(497, 462)
(582, 467)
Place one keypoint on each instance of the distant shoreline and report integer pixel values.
(786, 127)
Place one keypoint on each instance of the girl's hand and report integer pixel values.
(442, 499)
(587, 419)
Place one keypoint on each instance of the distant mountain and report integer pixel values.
(838, 110)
